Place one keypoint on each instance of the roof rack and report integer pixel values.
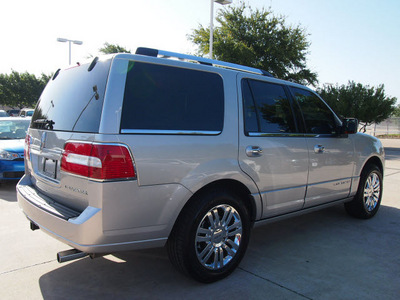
(201, 60)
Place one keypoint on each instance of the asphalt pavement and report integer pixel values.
(321, 255)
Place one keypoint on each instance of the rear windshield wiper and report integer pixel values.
(44, 124)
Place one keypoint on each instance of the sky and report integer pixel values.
(350, 39)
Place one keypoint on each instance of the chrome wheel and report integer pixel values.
(218, 237)
(372, 191)
(367, 200)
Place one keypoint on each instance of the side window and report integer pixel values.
(164, 99)
(266, 108)
(318, 118)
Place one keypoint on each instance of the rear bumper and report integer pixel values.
(105, 229)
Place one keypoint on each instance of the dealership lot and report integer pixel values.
(322, 255)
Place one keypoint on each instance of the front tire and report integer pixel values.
(210, 236)
(367, 201)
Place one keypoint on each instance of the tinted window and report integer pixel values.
(13, 129)
(159, 98)
(266, 108)
(251, 123)
(68, 103)
(318, 117)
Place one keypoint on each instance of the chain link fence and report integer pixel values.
(389, 126)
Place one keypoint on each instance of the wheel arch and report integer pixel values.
(182, 239)
(230, 185)
(374, 160)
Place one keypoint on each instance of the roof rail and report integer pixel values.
(201, 60)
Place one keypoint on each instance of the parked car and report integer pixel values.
(12, 136)
(139, 151)
(13, 112)
(26, 112)
(3, 113)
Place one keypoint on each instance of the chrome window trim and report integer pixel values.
(171, 132)
(294, 134)
(264, 134)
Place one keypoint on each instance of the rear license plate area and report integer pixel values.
(50, 168)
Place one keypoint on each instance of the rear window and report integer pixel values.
(73, 99)
(161, 99)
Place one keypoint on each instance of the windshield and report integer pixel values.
(13, 129)
(73, 99)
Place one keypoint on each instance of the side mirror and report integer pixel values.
(350, 126)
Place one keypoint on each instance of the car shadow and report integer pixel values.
(326, 251)
(142, 274)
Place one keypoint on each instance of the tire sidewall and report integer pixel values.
(207, 202)
(360, 193)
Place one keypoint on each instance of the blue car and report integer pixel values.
(12, 137)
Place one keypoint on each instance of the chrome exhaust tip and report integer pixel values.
(71, 254)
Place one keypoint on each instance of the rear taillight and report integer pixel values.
(98, 161)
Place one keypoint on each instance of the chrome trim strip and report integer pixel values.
(263, 134)
(306, 135)
(328, 181)
(283, 189)
(175, 132)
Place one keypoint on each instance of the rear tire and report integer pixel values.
(211, 236)
(367, 201)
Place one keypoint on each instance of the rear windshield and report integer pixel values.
(73, 99)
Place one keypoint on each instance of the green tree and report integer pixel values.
(21, 89)
(367, 104)
(111, 48)
(396, 112)
(258, 39)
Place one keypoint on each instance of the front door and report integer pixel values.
(331, 154)
(271, 151)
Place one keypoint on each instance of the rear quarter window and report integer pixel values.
(164, 99)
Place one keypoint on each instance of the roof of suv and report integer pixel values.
(201, 60)
(156, 53)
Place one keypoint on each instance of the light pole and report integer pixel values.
(69, 42)
(222, 2)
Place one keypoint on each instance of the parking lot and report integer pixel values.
(321, 255)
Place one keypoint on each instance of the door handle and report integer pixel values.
(319, 149)
(253, 151)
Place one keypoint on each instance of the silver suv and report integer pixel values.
(138, 151)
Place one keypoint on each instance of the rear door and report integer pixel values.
(69, 109)
(331, 154)
(271, 151)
